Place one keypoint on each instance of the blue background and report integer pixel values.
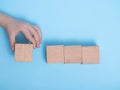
(69, 22)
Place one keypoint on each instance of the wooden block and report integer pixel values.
(23, 52)
(73, 54)
(19, 52)
(55, 54)
(28, 52)
(90, 55)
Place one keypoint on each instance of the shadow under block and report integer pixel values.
(23, 52)
(73, 54)
(90, 55)
(55, 54)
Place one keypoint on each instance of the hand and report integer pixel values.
(31, 32)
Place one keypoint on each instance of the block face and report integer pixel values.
(19, 52)
(55, 54)
(73, 54)
(23, 52)
(90, 55)
(28, 52)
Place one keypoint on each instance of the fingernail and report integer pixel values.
(34, 46)
(12, 48)
(38, 44)
(40, 41)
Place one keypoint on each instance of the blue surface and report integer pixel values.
(85, 22)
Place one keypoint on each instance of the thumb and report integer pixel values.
(12, 41)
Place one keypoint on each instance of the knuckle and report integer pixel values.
(29, 37)
(24, 26)
(37, 40)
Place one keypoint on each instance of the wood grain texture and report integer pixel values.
(90, 55)
(23, 52)
(55, 54)
(73, 54)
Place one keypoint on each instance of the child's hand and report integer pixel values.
(32, 33)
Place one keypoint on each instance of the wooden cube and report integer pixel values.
(90, 55)
(23, 52)
(28, 52)
(55, 54)
(73, 54)
(19, 52)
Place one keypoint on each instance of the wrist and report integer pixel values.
(5, 20)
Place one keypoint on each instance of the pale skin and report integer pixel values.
(13, 27)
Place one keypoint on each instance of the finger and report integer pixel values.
(29, 37)
(35, 35)
(39, 33)
(12, 42)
